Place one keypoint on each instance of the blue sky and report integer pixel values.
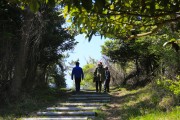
(83, 50)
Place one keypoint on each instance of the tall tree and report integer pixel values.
(32, 43)
(10, 25)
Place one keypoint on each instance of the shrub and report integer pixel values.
(170, 85)
(171, 89)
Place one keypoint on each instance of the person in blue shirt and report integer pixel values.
(78, 75)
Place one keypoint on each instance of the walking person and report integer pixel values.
(99, 75)
(78, 75)
(107, 79)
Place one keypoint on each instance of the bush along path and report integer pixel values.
(84, 105)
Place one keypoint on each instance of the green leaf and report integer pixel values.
(34, 6)
(112, 7)
(127, 4)
(22, 7)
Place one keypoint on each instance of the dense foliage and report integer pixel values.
(31, 49)
(169, 85)
(117, 18)
(147, 54)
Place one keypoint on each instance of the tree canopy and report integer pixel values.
(121, 18)
(115, 18)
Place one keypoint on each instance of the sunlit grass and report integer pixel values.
(143, 104)
(159, 115)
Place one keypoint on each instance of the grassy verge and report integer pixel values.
(28, 104)
(159, 115)
(148, 103)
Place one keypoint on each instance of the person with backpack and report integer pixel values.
(99, 75)
(107, 79)
(77, 74)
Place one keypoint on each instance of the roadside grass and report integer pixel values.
(28, 104)
(146, 103)
(159, 115)
(100, 115)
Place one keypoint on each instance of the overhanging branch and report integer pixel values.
(145, 34)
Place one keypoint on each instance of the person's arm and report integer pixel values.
(106, 75)
(72, 74)
(95, 72)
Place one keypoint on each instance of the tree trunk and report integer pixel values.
(20, 63)
(19, 69)
(29, 81)
(41, 77)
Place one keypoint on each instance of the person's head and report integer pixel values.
(106, 67)
(77, 63)
(100, 64)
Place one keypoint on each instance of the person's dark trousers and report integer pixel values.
(98, 85)
(77, 82)
(106, 85)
